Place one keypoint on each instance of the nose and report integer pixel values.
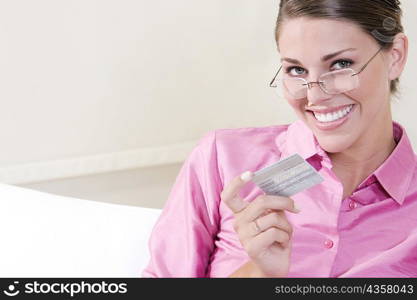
(315, 95)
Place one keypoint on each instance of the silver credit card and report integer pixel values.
(287, 177)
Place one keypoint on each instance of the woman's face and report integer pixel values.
(308, 41)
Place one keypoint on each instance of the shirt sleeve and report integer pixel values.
(182, 239)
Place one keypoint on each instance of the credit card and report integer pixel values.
(287, 177)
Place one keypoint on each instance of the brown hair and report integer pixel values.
(381, 19)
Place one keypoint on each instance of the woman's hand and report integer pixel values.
(262, 227)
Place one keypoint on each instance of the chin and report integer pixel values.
(332, 144)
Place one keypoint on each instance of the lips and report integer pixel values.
(333, 118)
(324, 110)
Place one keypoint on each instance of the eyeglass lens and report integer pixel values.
(335, 82)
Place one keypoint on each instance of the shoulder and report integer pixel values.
(232, 139)
(235, 150)
(245, 136)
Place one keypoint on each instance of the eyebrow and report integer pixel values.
(324, 58)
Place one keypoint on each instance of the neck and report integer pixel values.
(356, 163)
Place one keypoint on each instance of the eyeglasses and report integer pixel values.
(335, 82)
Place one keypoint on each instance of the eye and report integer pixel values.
(342, 64)
(294, 71)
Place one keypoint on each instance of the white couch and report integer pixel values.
(45, 235)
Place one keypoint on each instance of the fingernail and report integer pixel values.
(248, 175)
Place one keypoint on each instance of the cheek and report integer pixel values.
(376, 82)
(371, 90)
(293, 103)
(296, 104)
(297, 107)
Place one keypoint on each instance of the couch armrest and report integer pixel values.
(46, 235)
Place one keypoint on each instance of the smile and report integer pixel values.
(333, 116)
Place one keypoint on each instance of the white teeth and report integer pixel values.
(330, 117)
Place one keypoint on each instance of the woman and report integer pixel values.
(341, 61)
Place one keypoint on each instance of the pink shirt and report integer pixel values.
(372, 233)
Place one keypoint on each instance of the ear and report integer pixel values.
(398, 56)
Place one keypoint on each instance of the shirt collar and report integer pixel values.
(298, 138)
(396, 173)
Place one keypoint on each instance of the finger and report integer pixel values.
(266, 239)
(274, 219)
(264, 202)
(230, 194)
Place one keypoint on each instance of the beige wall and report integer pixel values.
(103, 86)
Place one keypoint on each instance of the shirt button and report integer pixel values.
(352, 204)
(328, 244)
